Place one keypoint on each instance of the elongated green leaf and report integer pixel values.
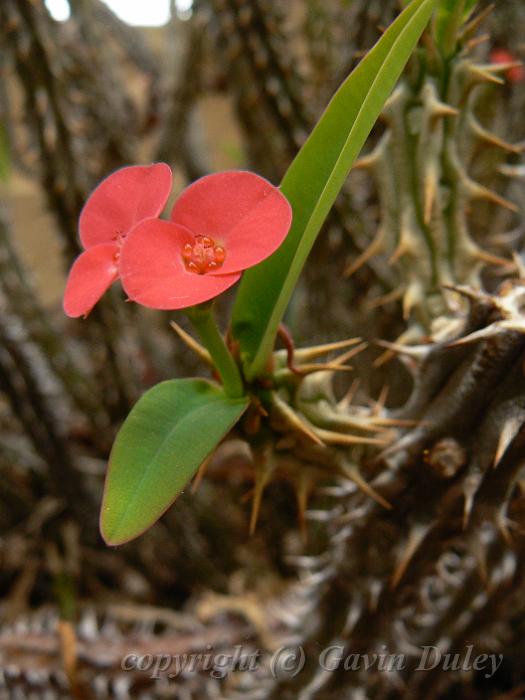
(166, 437)
(315, 178)
(452, 14)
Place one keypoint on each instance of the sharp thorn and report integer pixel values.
(306, 354)
(502, 67)
(348, 422)
(379, 405)
(352, 472)
(68, 643)
(383, 359)
(481, 558)
(492, 139)
(303, 492)
(385, 299)
(519, 263)
(487, 332)
(507, 435)
(504, 526)
(441, 109)
(190, 342)
(391, 449)
(467, 292)
(415, 539)
(469, 491)
(307, 369)
(485, 74)
(294, 420)
(512, 325)
(430, 188)
(374, 248)
(402, 248)
(418, 352)
(339, 361)
(367, 162)
(326, 367)
(411, 299)
(477, 41)
(258, 491)
(399, 422)
(491, 259)
(478, 191)
(263, 471)
(476, 22)
(349, 396)
(330, 437)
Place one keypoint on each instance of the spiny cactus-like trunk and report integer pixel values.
(443, 565)
(423, 168)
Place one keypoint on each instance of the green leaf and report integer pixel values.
(169, 433)
(450, 17)
(314, 180)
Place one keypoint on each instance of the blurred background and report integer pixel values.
(86, 87)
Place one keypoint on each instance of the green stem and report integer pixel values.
(204, 323)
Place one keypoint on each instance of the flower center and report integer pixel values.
(203, 256)
(119, 239)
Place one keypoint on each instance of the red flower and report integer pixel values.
(220, 225)
(516, 72)
(126, 197)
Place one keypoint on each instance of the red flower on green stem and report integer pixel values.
(220, 225)
(122, 200)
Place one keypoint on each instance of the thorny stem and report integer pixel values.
(204, 323)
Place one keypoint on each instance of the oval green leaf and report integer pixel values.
(314, 180)
(169, 433)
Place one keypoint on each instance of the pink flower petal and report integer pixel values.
(92, 274)
(239, 210)
(123, 199)
(152, 270)
(258, 235)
